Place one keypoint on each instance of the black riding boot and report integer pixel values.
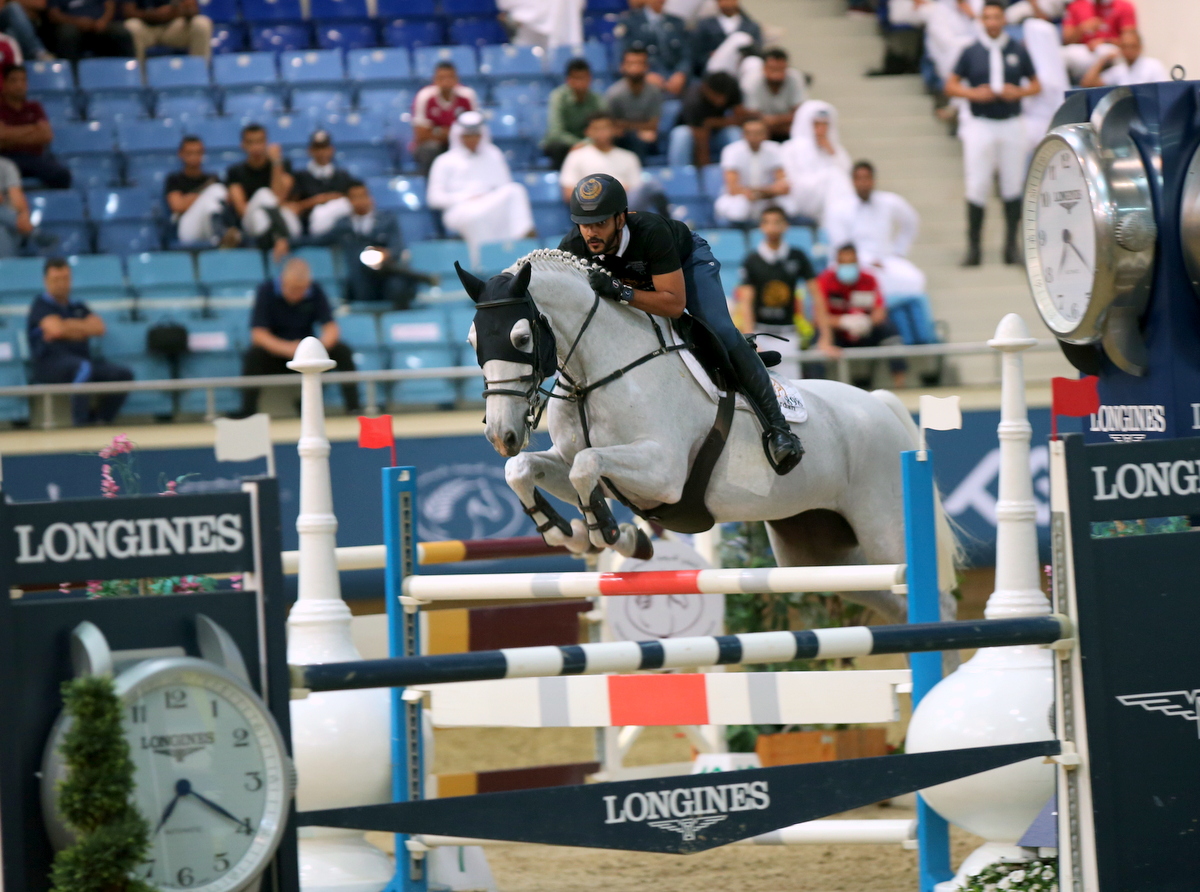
(1012, 224)
(781, 444)
(974, 234)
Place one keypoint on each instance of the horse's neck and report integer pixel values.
(615, 336)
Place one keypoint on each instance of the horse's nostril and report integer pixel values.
(510, 440)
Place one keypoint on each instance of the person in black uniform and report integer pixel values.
(660, 266)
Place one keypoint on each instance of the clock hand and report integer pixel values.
(182, 788)
(1081, 257)
(219, 810)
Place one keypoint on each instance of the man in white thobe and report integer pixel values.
(754, 175)
(545, 23)
(1127, 68)
(882, 226)
(473, 187)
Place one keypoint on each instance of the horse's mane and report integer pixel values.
(553, 260)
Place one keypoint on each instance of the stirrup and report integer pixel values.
(788, 464)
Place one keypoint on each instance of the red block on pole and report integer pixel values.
(658, 699)
(376, 433)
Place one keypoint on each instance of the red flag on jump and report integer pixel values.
(376, 433)
(1073, 397)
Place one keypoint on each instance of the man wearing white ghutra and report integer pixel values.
(993, 74)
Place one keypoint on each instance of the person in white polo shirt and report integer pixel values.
(1127, 68)
(600, 154)
(754, 175)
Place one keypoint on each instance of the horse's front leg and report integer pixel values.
(527, 471)
(643, 469)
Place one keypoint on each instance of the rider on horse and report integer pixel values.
(661, 267)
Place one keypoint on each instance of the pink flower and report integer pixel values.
(106, 452)
(64, 588)
(172, 488)
(236, 583)
(93, 588)
(121, 444)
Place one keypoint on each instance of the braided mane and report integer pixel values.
(553, 260)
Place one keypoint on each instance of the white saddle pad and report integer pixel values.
(790, 400)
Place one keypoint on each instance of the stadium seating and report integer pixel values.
(345, 35)
(279, 37)
(109, 76)
(508, 60)
(162, 274)
(426, 58)
(239, 71)
(20, 279)
(412, 34)
(379, 66)
(97, 276)
(234, 273)
(47, 78)
(271, 10)
(173, 74)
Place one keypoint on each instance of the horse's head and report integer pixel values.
(516, 350)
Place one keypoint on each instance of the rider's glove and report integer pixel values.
(607, 286)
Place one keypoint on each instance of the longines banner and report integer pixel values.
(126, 538)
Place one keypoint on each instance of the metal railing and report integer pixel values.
(373, 379)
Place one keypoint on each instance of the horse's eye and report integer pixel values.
(522, 340)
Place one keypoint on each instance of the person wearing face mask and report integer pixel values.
(854, 314)
(993, 74)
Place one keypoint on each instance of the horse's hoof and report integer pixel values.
(643, 550)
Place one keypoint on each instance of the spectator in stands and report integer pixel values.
(768, 297)
(15, 223)
(1047, 10)
(1043, 43)
(600, 154)
(26, 134)
(473, 187)
(818, 168)
(636, 104)
(435, 108)
(710, 119)
(258, 188)
(197, 199)
(754, 175)
(172, 23)
(319, 192)
(373, 252)
(949, 29)
(287, 310)
(87, 26)
(18, 28)
(545, 23)
(854, 314)
(569, 108)
(1127, 68)
(775, 93)
(994, 74)
(10, 52)
(882, 226)
(59, 329)
(1091, 29)
(665, 39)
(716, 30)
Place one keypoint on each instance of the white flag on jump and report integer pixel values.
(245, 439)
(939, 414)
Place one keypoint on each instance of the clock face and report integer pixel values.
(1060, 236)
(211, 779)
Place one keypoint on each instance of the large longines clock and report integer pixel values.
(1090, 235)
(212, 776)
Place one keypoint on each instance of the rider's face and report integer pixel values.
(603, 237)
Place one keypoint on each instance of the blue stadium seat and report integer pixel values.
(362, 162)
(72, 238)
(406, 9)
(230, 273)
(122, 203)
(83, 138)
(13, 408)
(150, 172)
(679, 183)
(56, 206)
(399, 193)
(438, 391)
(110, 75)
(533, 121)
(290, 131)
(113, 108)
(696, 213)
(496, 256)
(162, 274)
(509, 60)
(438, 256)
(312, 67)
(126, 238)
(408, 329)
(542, 186)
(156, 136)
(253, 105)
(228, 37)
(456, 8)
(343, 10)
(59, 107)
(97, 276)
(157, 403)
(241, 70)
(406, 33)
(320, 102)
(278, 38)
(356, 129)
(426, 58)
(477, 32)
(379, 66)
(345, 36)
(728, 245)
(50, 77)
(123, 337)
(417, 225)
(172, 74)
(360, 331)
(388, 102)
(593, 51)
(223, 135)
(520, 94)
(552, 221)
(320, 261)
(271, 10)
(669, 115)
(211, 365)
(603, 6)
(20, 278)
(221, 10)
(459, 319)
(92, 171)
(913, 317)
(712, 178)
(186, 108)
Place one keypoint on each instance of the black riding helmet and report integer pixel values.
(596, 198)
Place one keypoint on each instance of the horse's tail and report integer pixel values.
(950, 551)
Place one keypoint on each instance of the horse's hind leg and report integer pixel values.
(823, 538)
